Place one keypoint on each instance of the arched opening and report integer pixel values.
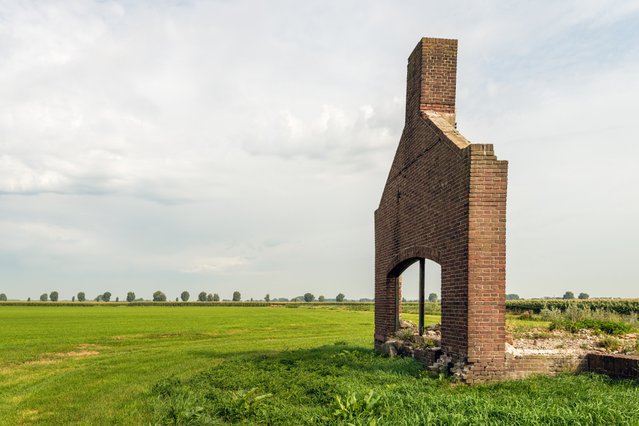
(418, 293)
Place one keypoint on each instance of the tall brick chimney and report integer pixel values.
(432, 78)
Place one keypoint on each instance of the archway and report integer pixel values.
(419, 292)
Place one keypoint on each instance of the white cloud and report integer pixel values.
(151, 138)
(215, 264)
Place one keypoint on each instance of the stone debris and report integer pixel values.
(536, 342)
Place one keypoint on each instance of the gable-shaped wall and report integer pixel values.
(445, 200)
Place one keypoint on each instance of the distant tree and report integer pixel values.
(202, 296)
(106, 297)
(583, 296)
(73, 299)
(209, 297)
(237, 296)
(130, 297)
(44, 297)
(177, 299)
(216, 297)
(267, 298)
(432, 297)
(117, 299)
(28, 299)
(321, 299)
(81, 297)
(569, 295)
(340, 297)
(403, 299)
(185, 296)
(512, 296)
(158, 296)
(309, 297)
(53, 296)
(99, 298)
(3, 297)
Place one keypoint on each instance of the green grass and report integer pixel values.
(139, 346)
(342, 384)
(110, 365)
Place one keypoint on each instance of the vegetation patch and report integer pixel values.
(607, 327)
(351, 385)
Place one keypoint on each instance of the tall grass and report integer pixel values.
(351, 385)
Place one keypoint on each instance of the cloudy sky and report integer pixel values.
(236, 145)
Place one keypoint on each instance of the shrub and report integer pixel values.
(158, 296)
(607, 327)
(130, 297)
(527, 316)
(309, 297)
(185, 296)
(237, 296)
(609, 343)
(3, 297)
(53, 296)
(340, 297)
(202, 296)
(81, 297)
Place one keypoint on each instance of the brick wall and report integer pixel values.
(444, 200)
(618, 366)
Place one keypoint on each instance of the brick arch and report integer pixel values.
(445, 200)
(410, 255)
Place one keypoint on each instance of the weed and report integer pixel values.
(609, 343)
(243, 404)
(354, 407)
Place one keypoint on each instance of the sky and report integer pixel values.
(244, 145)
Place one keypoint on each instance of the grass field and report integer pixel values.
(141, 365)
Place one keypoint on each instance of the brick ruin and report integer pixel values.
(444, 200)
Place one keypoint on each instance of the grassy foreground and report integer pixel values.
(141, 365)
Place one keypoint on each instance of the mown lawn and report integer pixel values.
(141, 365)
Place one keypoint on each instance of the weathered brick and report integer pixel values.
(444, 200)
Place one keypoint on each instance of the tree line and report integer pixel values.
(159, 296)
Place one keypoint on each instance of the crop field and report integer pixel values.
(257, 365)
